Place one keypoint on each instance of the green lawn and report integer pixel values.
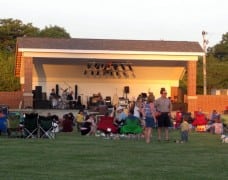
(71, 156)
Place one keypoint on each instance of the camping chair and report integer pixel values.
(3, 125)
(46, 127)
(3, 118)
(131, 126)
(13, 124)
(105, 123)
(200, 122)
(30, 125)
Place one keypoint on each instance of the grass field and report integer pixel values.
(71, 156)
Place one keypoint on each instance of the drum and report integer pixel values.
(64, 96)
(54, 102)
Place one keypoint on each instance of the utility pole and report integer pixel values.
(205, 42)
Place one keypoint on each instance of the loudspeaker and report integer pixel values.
(38, 93)
(38, 89)
(75, 92)
(57, 89)
(126, 89)
(44, 96)
(79, 102)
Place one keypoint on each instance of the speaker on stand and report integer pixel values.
(79, 102)
(75, 92)
(38, 93)
(126, 90)
(57, 89)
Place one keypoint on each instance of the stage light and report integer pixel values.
(119, 69)
(118, 74)
(125, 74)
(115, 66)
(88, 66)
(122, 67)
(97, 66)
(130, 68)
(85, 72)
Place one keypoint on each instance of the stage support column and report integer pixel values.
(27, 91)
(191, 86)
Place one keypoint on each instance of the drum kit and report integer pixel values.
(61, 102)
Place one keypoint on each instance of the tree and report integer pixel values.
(11, 29)
(217, 65)
(54, 32)
(8, 82)
(221, 50)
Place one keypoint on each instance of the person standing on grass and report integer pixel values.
(184, 126)
(163, 107)
(149, 116)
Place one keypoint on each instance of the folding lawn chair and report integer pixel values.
(105, 125)
(46, 127)
(30, 125)
(13, 124)
(131, 126)
(3, 125)
(3, 118)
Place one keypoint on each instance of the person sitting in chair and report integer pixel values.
(89, 126)
(131, 125)
(120, 116)
(217, 126)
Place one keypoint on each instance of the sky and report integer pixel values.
(175, 20)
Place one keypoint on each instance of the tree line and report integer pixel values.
(10, 29)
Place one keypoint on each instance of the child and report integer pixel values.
(184, 126)
(79, 119)
(217, 127)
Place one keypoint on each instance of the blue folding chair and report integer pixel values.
(3, 124)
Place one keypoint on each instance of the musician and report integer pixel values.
(70, 96)
(70, 99)
(100, 100)
(52, 94)
(53, 97)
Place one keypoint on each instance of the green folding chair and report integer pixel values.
(30, 125)
(46, 127)
(14, 127)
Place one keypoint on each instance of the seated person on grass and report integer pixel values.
(131, 125)
(89, 126)
(120, 116)
(67, 123)
(217, 127)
